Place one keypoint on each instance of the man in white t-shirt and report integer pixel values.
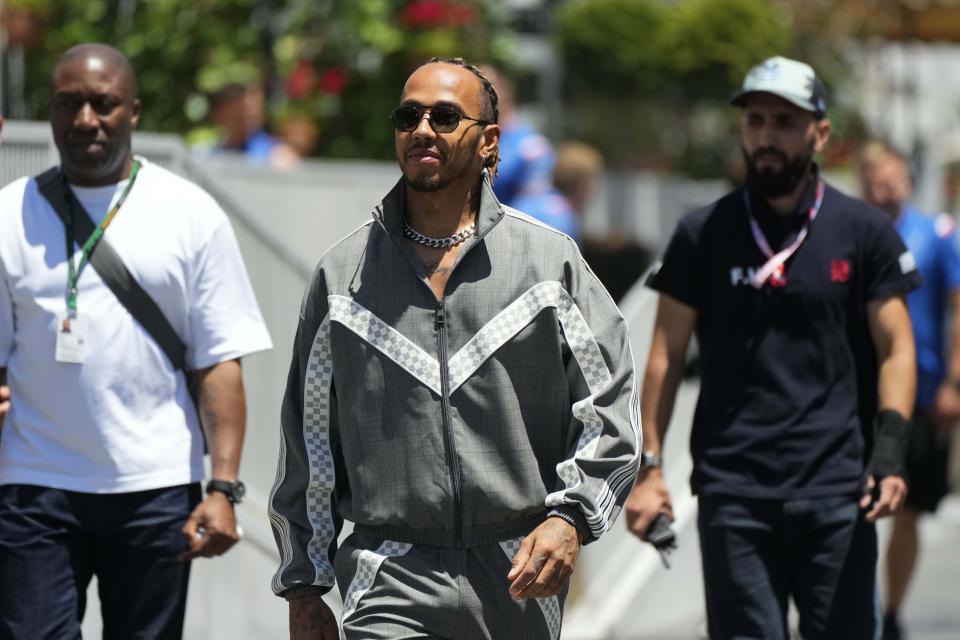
(101, 449)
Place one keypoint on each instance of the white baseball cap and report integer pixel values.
(792, 80)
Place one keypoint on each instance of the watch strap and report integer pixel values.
(234, 490)
(650, 459)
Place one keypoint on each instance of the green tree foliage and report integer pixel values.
(614, 47)
(648, 79)
(337, 63)
(712, 43)
(345, 61)
(173, 44)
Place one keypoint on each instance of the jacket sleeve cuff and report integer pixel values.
(303, 590)
(574, 516)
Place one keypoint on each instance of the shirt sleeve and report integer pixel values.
(890, 269)
(225, 321)
(680, 276)
(6, 319)
(301, 507)
(603, 454)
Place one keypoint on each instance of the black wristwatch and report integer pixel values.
(233, 490)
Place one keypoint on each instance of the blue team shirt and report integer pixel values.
(526, 162)
(933, 242)
(552, 208)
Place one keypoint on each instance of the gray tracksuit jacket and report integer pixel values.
(458, 422)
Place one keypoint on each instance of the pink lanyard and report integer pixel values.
(773, 269)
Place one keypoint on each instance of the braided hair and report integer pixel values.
(489, 103)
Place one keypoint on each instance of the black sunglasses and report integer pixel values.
(443, 119)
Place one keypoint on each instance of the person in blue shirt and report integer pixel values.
(575, 175)
(238, 111)
(935, 245)
(526, 155)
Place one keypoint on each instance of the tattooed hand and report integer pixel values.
(312, 619)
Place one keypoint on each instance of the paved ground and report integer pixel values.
(932, 611)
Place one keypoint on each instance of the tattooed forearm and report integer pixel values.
(310, 617)
(208, 418)
(223, 415)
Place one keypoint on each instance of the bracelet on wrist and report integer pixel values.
(650, 460)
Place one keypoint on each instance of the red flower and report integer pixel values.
(333, 80)
(460, 15)
(423, 13)
(430, 14)
(299, 80)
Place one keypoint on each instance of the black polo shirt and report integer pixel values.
(789, 373)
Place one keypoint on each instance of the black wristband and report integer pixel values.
(234, 490)
(890, 435)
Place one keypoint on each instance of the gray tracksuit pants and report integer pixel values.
(398, 591)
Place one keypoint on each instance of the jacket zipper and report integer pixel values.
(440, 324)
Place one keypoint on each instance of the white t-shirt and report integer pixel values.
(122, 420)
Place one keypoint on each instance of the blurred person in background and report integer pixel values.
(101, 451)
(933, 241)
(574, 179)
(526, 156)
(238, 112)
(462, 390)
(616, 260)
(300, 132)
(797, 294)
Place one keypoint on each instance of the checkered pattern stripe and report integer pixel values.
(502, 328)
(584, 346)
(550, 606)
(316, 439)
(368, 564)
(390, 342)
(597, 377)
(586, 413)
(510, 547)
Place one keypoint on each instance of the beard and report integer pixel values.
(770, 183)
(460, 165)
(428, 184)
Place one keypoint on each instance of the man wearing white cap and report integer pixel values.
(797, 295)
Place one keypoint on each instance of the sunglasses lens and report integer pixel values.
(406, 117)
(444, 119)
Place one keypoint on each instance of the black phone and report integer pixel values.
(661, 535)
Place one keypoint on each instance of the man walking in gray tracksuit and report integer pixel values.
(462, 390)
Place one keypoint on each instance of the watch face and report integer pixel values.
(239, 491)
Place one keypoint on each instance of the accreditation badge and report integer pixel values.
(71, 340)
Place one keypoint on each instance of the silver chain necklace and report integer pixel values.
(439, 243)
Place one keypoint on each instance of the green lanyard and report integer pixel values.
(73, 273)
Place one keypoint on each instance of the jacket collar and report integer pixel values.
(393, 206)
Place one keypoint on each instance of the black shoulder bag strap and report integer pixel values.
(114, 273)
